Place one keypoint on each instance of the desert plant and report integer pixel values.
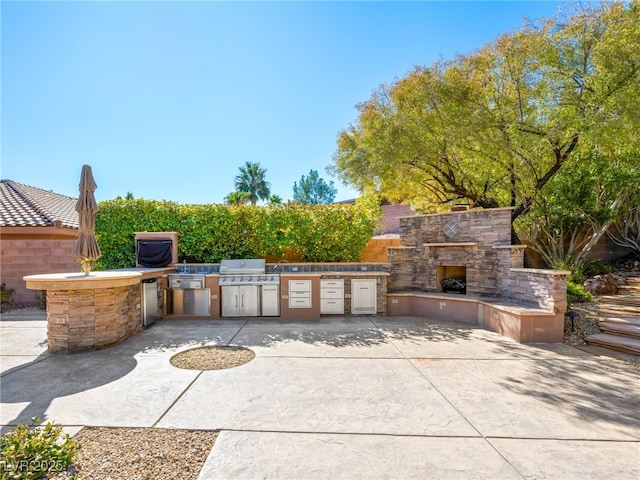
(30, 452)
(577, 294)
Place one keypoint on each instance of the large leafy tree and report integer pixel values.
(252, 180)
(313, 189)
(583, 200)
(495, 126)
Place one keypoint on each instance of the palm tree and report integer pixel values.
(275, 200)
(237, 198)
(251, 180)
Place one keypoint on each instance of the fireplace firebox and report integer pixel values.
(451, 279)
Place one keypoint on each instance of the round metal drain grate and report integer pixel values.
(212, 358)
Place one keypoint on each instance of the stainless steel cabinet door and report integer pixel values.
(240, 301)
(363, 296)
(249, 300)
(189, 301)
(270, 300)
(200, 303)
(230, 301)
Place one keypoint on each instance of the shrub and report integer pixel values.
(577, 294)
(28, 453)
(210, 233)
(596, 267)
(6, 296)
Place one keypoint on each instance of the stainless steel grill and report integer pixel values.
(246, 272)
(247, 290)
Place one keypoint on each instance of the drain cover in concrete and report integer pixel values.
(212, 358)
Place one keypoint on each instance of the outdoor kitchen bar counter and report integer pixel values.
(89, 312)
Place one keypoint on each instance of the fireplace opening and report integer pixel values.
(451, 279)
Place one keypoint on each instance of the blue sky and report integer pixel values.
(168, 99)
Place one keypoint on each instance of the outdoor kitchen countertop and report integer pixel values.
(80, 281)
(313, 274)
(95, 279)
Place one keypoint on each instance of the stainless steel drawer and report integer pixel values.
(301, 302)
(329, 306)
(331, 293)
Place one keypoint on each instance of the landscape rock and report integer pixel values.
(606, 284)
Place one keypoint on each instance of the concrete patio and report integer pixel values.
(359, 397)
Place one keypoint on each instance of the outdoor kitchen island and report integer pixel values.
(288, 291)
(90, 312)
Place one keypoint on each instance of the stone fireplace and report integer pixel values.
(474, 248)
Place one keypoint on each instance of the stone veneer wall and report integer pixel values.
(401, 268)
(546, 289)
(100, 318)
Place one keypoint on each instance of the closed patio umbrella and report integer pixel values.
(86, 247)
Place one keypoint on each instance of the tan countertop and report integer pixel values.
(98, 279)
(80, 281)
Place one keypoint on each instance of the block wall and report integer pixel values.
(376, 249)
(21, 257)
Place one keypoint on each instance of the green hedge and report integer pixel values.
(210, 233)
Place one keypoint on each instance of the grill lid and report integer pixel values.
(247, 266)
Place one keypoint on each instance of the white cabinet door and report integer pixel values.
(363, 296)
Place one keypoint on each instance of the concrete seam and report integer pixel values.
(238, 332)
(177, 399)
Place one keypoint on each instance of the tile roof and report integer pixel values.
(25, 206)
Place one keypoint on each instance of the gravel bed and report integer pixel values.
(139, 454)
(212, 358)
(584, 323)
